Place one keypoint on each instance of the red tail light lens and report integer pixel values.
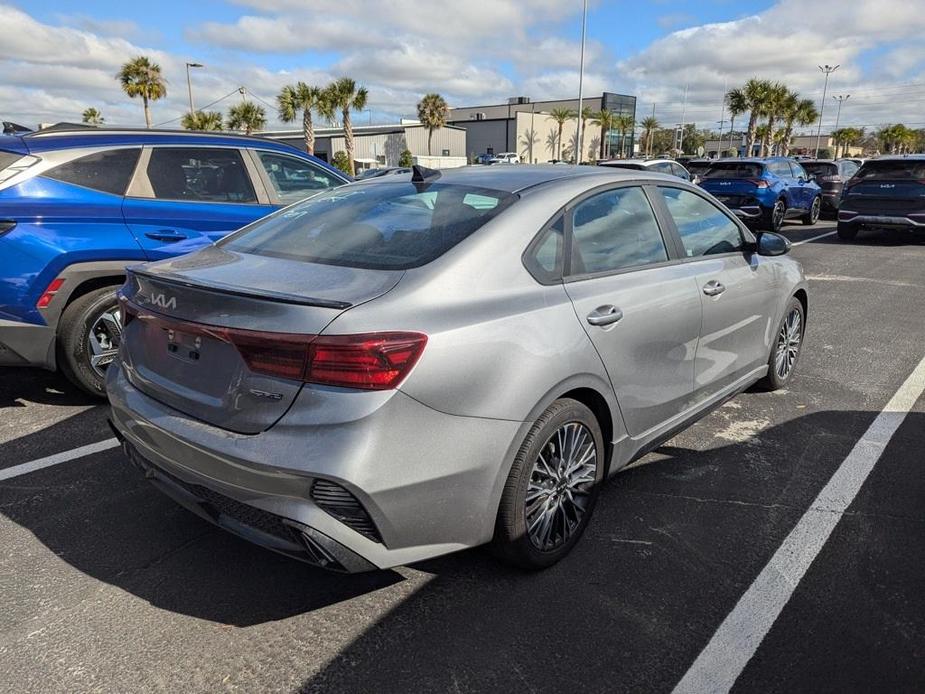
(375, 361)
(759, 182)
(49, 293)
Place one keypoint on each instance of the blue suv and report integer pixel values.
(78, 205)
(764, 192)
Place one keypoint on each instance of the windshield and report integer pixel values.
(893, 169)
(734, 170)
(381, 226)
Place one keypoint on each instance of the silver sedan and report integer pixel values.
(397, 369)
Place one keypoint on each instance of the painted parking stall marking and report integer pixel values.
(814, 238)
(738, 637)
(57, 459)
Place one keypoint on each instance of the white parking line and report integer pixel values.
(738, 637)
(814, 238)
(57, 458)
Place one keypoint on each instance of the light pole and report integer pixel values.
(840, 98)
(828, 70)
(189, 86)
(581, 75)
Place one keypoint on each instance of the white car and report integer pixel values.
(505, 158)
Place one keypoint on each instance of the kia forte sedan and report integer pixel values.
(394, 370)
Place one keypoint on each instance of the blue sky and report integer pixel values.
(58, 57)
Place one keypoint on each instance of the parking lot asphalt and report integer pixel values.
(108, 586)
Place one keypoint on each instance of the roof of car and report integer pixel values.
(898, 157)
(637, 160)
(67, 137)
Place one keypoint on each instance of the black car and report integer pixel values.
(885, 193)
(831, 177)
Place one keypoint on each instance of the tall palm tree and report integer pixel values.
(586, 114)
(202, 120)
(344, 94)
(622, 122)
(561, 116)
(247, 116)
(802, 112)
(737, 103)
(432, 112)
(92, 116)
(772, 105)
(141, 77)
(604, 119)
(755, 92)
(304, 98)
(649, 126)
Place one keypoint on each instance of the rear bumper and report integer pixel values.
(26, 344)
(911, 221)
(429, 482)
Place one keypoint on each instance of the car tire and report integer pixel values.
(75, 351)
(815, 209)
(785, 348)
(774, 218)
(847, 232)
(519, 537)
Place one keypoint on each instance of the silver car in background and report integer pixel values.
(394, 370)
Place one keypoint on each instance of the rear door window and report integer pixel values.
(293, 178)
(704, 228)
(614, 230)
(202, 174)
(107, 172)
(384, 226)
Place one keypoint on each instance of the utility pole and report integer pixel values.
(189, 86)
(828, 70)
(840, 98)
(722, 116)
(581, 75)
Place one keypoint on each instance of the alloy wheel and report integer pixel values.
(559, 490)
(789, 340)
(777, 215)
(814, 212)
(104, 339)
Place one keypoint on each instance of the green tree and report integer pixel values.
(693, 139)
(344, 94)
(623, 123)
(560, 116)
(302, 98)
(432, 112)
(92, 116)
(663, 139)
(141, 77)
(737, 104)
(202, 120)
(247, 116)
(649, 125)
(586, 114)
(406, 158)
(754, 94)
(341, 160)
(604, 120)
(797, 112)
(773, 104)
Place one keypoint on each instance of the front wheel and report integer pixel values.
(89, 336)
(786, 350)
(552, 488)
(812, 216)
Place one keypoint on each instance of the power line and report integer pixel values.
(202, 109)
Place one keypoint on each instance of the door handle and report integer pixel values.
(714, 288)
(605, 315)
(168, 235)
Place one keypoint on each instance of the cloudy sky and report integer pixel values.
(57, 56)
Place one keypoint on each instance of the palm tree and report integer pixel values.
(92, 116)
(649, 126)
(202, 120)
(801, 113)
(755, 93)
(774, 102)
(305, 98)
(432, 112)
(586, 115)
(528, 139)
(247, 116)
(603, 119)
(344, 94)
(737, 104)
(623, 122)
(141, 77)
(561, 116)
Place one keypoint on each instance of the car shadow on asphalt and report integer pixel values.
(19, 386)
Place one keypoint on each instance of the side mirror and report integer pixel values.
(771, 244)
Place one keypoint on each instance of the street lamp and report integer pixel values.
(840, 98)
(828, 70)
(189, 85)
(581, 74)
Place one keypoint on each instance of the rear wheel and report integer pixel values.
(812, 216)
(774, 218)
(552, 487)
(786, 350)
(89, 336)
(847, 232)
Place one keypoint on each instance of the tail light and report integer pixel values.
(49, 293)
(759, 182)
(375, 361)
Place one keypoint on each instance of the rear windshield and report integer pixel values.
(734, 170)
(898, 169)
(820, 168)
(380, 226)
(697, 166)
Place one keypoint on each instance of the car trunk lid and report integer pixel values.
(218, 334)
